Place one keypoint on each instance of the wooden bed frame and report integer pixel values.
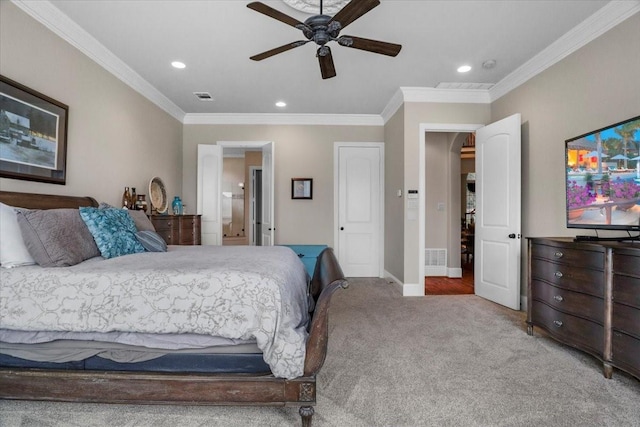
(177, 388)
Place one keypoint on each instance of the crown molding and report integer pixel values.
(283, 119)
(591, 28)
(52, 18)
(434, 95)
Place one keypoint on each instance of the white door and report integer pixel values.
(359, 210)
(497, 232)
(209, 190)
(268, 223)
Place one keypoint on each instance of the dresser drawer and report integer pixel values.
(624, 263)
(163, 223)
(580, 333)
(570, 302)
(569, 255)
(571, 277)
(627, 290)
(626, 319)
(626, 352)
(167, 235)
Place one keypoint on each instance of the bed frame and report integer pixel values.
(180, 388)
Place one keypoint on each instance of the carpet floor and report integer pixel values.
(408, 361)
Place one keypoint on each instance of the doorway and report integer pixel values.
(449, 213)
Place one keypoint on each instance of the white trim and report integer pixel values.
(454, 272)
(413, 290)
(431, 94)
(283, 119)
(591, 28)
(336, 183)
(52, 18)
(390, 276)
(394, 104)
(423, 129)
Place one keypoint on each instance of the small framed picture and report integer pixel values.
(301, 188)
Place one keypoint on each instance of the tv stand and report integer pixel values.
(587, 295)
(606, 239)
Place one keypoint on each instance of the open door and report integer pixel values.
(209, 191)
(497, 232)
(268, 224)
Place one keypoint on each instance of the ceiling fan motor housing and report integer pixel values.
(320, 29)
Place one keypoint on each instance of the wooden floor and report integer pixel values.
(447, 286)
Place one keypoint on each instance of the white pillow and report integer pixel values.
(13, 251)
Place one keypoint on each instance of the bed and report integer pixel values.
(151, 331)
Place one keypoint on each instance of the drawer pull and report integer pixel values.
(558, 323)
(558, 274)
(558, 298)
(558, 254)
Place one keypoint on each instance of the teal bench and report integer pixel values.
(308, 255)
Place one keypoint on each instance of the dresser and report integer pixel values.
(178, 229)
(587, 295)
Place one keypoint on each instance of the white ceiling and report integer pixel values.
(216, 38)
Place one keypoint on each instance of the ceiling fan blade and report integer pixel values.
(375, 46)
(327, 68)
(275, 14)
(277, 50)
(354, 10)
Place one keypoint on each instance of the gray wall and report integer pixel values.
(394, 205)
(299, 152)
(116, 137)
(594, 87)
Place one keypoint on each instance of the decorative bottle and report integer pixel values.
(126, 198)
(177, 206)
(132, 198)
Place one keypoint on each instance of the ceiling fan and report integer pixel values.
(322, 29)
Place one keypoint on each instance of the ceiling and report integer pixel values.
(216, 38)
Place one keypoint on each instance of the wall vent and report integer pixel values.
(203, 96)
(435, 262)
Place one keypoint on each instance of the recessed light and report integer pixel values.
(178, 64)
(489, 64)
(281, 104)
(464, 69)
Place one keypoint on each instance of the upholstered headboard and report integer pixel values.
(44, 201)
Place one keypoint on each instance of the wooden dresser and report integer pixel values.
(178, 229)
(587, 295)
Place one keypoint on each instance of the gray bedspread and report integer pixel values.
(237, 292)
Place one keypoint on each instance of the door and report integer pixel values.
(359, 210)
(256, 206)
(209, 190)
(497, 231)
(268, 223)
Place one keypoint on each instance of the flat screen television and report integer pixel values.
(603, 178)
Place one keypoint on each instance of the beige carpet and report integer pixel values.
(395, 361)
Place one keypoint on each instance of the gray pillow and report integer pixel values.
(143, 223)
(151, 241)
(56, 237)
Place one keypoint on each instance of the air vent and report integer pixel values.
(461, 85)
(203, 96)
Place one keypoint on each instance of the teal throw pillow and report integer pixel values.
(113, 230)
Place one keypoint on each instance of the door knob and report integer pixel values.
(512, 236)
(341, 228)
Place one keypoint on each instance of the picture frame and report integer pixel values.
(302, 188)
(33, 134)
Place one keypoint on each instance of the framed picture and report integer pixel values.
(301, 188)
(33, 134)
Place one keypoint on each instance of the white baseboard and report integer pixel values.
(393, 278)
(412, 290)
(454, 273)
(430, 270)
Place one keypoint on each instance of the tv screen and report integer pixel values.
(603, 178)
